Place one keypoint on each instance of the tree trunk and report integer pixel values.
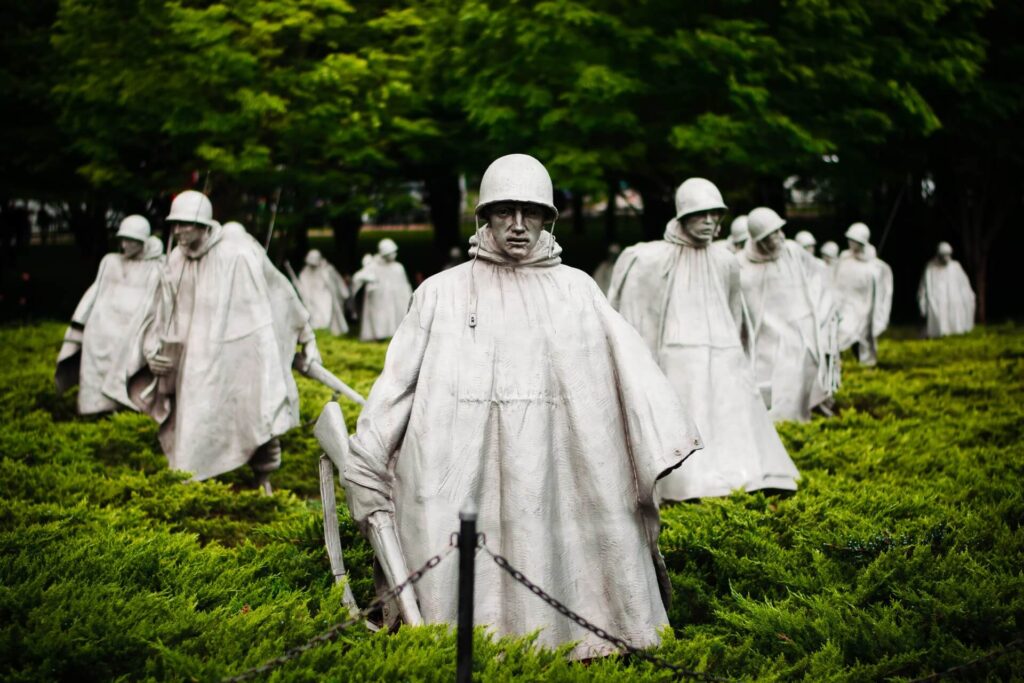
(444, 196)
(88, 224)
(346, 241)
(579, 226)
(658, 207)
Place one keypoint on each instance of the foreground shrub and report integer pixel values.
(899, 556)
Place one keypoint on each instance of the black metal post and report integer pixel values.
(467, 576)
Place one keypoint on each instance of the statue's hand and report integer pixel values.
(161, 365)
(310, 354)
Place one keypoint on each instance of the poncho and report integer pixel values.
(385, 299)
(946, 299)
(109, 322)
(552, 416)
(239, 321)
(862, 285)
(793, 320)
(324, 292)
(686, 302)
(603, 274)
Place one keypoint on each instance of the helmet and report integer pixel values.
(830, 249)
(234, 228)
(154, 247)
(698, 194)
(858, 232)
(516, 178)
(614, 249)
(945, 249)
(134, 227)
(762, 222)
(191, 207)
(739, 231)
(805, 239)
(315, 258)
(387, 246)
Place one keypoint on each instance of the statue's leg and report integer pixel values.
(265, 460)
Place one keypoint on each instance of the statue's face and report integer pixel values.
(131, 248)
(516, 227)
(809, 248)
(702, 226)
(190, 235)
(855, 246)
(390, 258)
(944, 259)
(771, 244)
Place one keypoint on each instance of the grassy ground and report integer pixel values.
(900, 555)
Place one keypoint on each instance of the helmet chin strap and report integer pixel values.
(471, 321)
(551, 247)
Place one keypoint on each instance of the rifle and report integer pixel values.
(319, 373)
(273, 219)
(330, 431)
(168, 348)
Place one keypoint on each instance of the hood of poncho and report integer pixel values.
(675, 234)
(216, 233)
(545, 253)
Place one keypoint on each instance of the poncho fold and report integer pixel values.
(550, 414)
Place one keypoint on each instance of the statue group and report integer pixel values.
(565, 416)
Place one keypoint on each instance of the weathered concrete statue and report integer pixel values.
(324, 293)
(101, 347)
(513, 383)
(807, 242)
(387, 293)
(221, 342)
(603, 272)
(739, 233)
(793, 319)
(683, 295)
(945, 295)
(862, 285)
(830, 254)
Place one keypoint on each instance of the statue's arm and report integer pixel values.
(383, 421)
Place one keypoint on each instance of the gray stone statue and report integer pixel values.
(793, 319)
(514, 384)
(739, 233)
(386, 294)
(101, 346)
(945, 296)
(603, 272)
(862, 284)
(683, 294)
(221, 344)
(324, 293)
(830, 254)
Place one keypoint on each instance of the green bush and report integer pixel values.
(900, 555)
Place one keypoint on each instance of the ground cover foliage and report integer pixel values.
(900, 555)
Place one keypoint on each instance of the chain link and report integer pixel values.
(596, 630)
(336, 630)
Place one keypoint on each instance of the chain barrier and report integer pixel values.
(336, 630)
(596, 630)
(960, 669)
